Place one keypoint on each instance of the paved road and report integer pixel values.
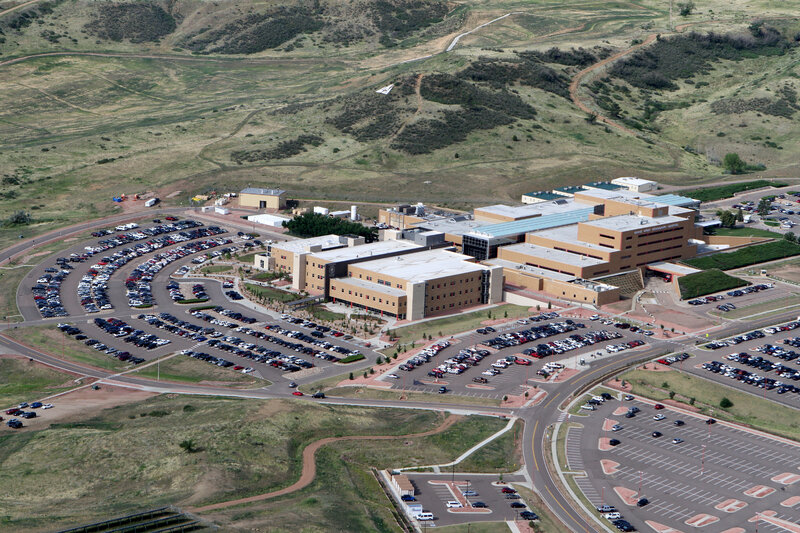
(537, 418)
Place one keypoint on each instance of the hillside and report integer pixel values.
(190, 96)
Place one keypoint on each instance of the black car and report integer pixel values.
(623, 525)
(614, 442)
(606, 396)
(656, 434)
(517, 505)
(319, 394)
(642, 502)
(711, 421)
(479, 505)
(528, 515)
(678, 423)
(14, 423)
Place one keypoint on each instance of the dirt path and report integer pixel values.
(576, 82)
(417, 87)
(9, 10)
(310, 466)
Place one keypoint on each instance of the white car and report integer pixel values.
(452, 504)
(594, 317)
(392, 376)
(47, 406)
(659, 416)
(488, 373)
(589, 407)
(616, 427)
(612, 516)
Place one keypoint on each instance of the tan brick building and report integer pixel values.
(262, 198)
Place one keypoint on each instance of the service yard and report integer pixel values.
(692, 473)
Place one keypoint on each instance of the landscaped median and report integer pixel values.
(710, 194)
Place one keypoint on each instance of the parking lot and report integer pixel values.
(167, 327)
(442, 494)
(491, 370)
(692, 473)
(758, 361)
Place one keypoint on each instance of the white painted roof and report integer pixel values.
(422, 266)
(377, 249)
(265, 192)
(540, 272)
(529, 210)
(366, 285)
(568, 258)
(629, 222)
(300, 245)
(630, 180)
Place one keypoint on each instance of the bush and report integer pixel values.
(725, 403)
(658, 65)
(751, 255)
(707, 282)
(281, 151)
(352, 358)
(685, 8)
(18, 218)
(138, 22)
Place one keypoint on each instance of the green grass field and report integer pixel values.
(244, 448)
(747, 408)
(747, 232)
(707, 282)
(51, 340)
(21, 380)
(184, 369)
(268, 293)
(709, 194)
(504, 454)
(456, 323)
(751, 255)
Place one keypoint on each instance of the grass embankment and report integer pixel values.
(746, 232)
(243, 448)
(547, 522)
(394, 394)
(451, 325)
(503, 454)
(707, 282)
(747, 408)
(184, 369)
(216, 269)
(269, 293)
(23, 381)
(10, 278)
(52, 341)
(320, 313)
(709, 194)
(779, 304)
(751, 255)
(476, 527)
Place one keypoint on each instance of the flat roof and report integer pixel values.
(542, 273)
(544, 195)
(378, 248)
(570, 189)
(424, 265)
(266, 192)
(672, 268)
(629, 222)
(542, 252)
(605, 185)
(453, 226)
(631, 180)
(571, 215)
(674, 199)
(368, 285)
(300, 245)
(558, 204)
(570, 234)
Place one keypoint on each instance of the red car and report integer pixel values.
(658, 406)
(171, 218)
(297, 393)
(523, 362)
(508, 490)
(13, 411)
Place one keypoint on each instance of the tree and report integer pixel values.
(188, 446)
(725, 403)
(733, 163)
(739, 215)
(727, 219)
(685, 8)
(789, 236)
(764, 206)
(18, 218)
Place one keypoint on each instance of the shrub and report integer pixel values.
(352, 358)
(707, 282)
(281, 151)
(138, 22)
(725, 403)
(315, 225)
(18, 218)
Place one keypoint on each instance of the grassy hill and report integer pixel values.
(195, 96)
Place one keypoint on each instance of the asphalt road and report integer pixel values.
(537, 418)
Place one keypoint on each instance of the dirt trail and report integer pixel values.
(25, 4)
(310, 466)
(417, 88)
(576, 82)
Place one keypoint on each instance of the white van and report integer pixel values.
(425, 516)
